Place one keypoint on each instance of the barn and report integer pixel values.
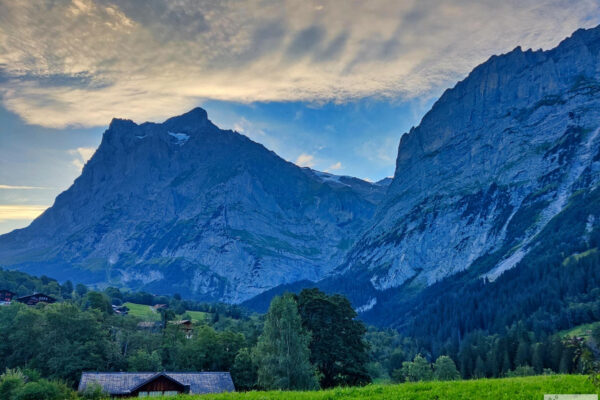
(151, 384)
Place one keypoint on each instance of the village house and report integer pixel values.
(153, 384)
(6, 296)
(186, 326)
(36, 298)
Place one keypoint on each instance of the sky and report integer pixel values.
(327, 84)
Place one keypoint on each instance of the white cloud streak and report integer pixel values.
(20, 212)
(13, 187)
(82, 62)
(334, 167)
(305, 160)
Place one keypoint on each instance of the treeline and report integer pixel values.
(81, 333)
(23, 284)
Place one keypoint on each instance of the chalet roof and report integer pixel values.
(118, 383)
(35, 295)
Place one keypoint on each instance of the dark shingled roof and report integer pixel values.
(124, 382)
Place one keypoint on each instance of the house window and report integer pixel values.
(171, 393)
(155, 394)
(143, 394)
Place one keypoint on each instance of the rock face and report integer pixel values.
(185, 207)
(496, 158)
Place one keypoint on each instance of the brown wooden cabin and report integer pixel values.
(6, 296)
(151, 384)
(186, 326)
(36, 298)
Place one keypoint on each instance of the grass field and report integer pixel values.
(581, 330)
(146, 313)
(529, 388)
(197, 316)
(143, 311)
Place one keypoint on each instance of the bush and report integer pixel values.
(11, 382)
(45, 390)
(94, 392)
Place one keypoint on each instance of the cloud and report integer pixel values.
(334, 167)
(82, 155)
(11, 187)
(305, 160)
(82, 62)
(20, 212)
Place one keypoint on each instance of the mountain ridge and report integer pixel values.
(184, 200)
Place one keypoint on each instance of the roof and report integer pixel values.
(37, 295)
(116, 383)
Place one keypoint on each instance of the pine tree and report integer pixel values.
(282, 351)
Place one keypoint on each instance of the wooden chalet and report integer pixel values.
(36, 298)
(6, 296)
(186, 326)
(152, 384)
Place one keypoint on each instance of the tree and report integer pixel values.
(282, 350)
(444, 369)
(99, 301)
(337, 347)
(141, 360)
(244, 371)
(81, 289)
(417, 370)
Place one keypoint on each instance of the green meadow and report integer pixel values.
(528, 388)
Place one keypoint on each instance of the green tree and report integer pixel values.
(141, 360)
(444, 369)
(417, 370)
(45, 390)
(337, 347)
(282, 351)
(98, 301)
(81, 289)
(11, 382)
(244, 371)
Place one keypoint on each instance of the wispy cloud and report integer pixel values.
(20, 212)
(334, 167)
(82, 62)
(12, 187)
(305, 160)
(82, 155)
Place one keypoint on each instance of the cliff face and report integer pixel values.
(496, 158)
(185, 207)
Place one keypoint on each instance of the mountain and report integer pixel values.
(495, 190)
(186, 207)
(482, 182)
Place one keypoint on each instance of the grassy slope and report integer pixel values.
(529, 388)
(146, 313)
(581, 330)
(143, 311)
(198, 316)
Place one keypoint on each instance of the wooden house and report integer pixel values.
(36, 298)
(6, 296)
(152, 384)
(186, 326)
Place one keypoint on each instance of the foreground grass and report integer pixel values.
(529, 388)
